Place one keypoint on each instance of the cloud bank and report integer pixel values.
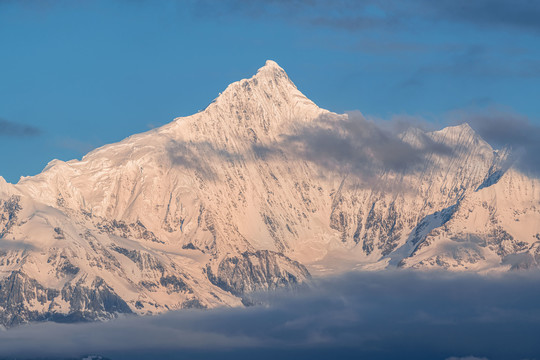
(389, 315)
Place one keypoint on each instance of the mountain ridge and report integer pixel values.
(243, 197)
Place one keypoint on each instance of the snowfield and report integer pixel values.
(210, 207)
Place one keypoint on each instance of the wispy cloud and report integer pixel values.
(14, 129)
(355, 15)
(350, 144)
(518, 14)
(362, 146)
(201, 157)
(77, 145)
(478, 61)
(381, 28)
(14, 245)
(505, 128)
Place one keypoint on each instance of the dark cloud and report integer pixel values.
(477, 61)
(383, 28)
(389, 315)
(356, 15)
(343, 14)
(348, 144)
(502, 129)
(365, 147)
(519, 14)
(13, 129)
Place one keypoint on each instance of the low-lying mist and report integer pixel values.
(388, 315)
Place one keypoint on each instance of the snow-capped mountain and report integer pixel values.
(212, 206)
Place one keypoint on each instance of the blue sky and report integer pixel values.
(76, 75)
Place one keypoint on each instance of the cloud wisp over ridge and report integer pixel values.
(503, 128)
(355, 144)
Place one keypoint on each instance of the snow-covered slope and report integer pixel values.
(210, 207)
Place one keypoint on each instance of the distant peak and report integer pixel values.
(4, 185)
(463, 134)
(462, 128)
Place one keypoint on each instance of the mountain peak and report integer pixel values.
(270, 65)
(269, 76)
(272, 71)
(270, 90)
(463, 129)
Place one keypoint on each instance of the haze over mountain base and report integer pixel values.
(362, 315)
(260, 191)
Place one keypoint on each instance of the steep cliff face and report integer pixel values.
(212, 206)
(495, 226)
